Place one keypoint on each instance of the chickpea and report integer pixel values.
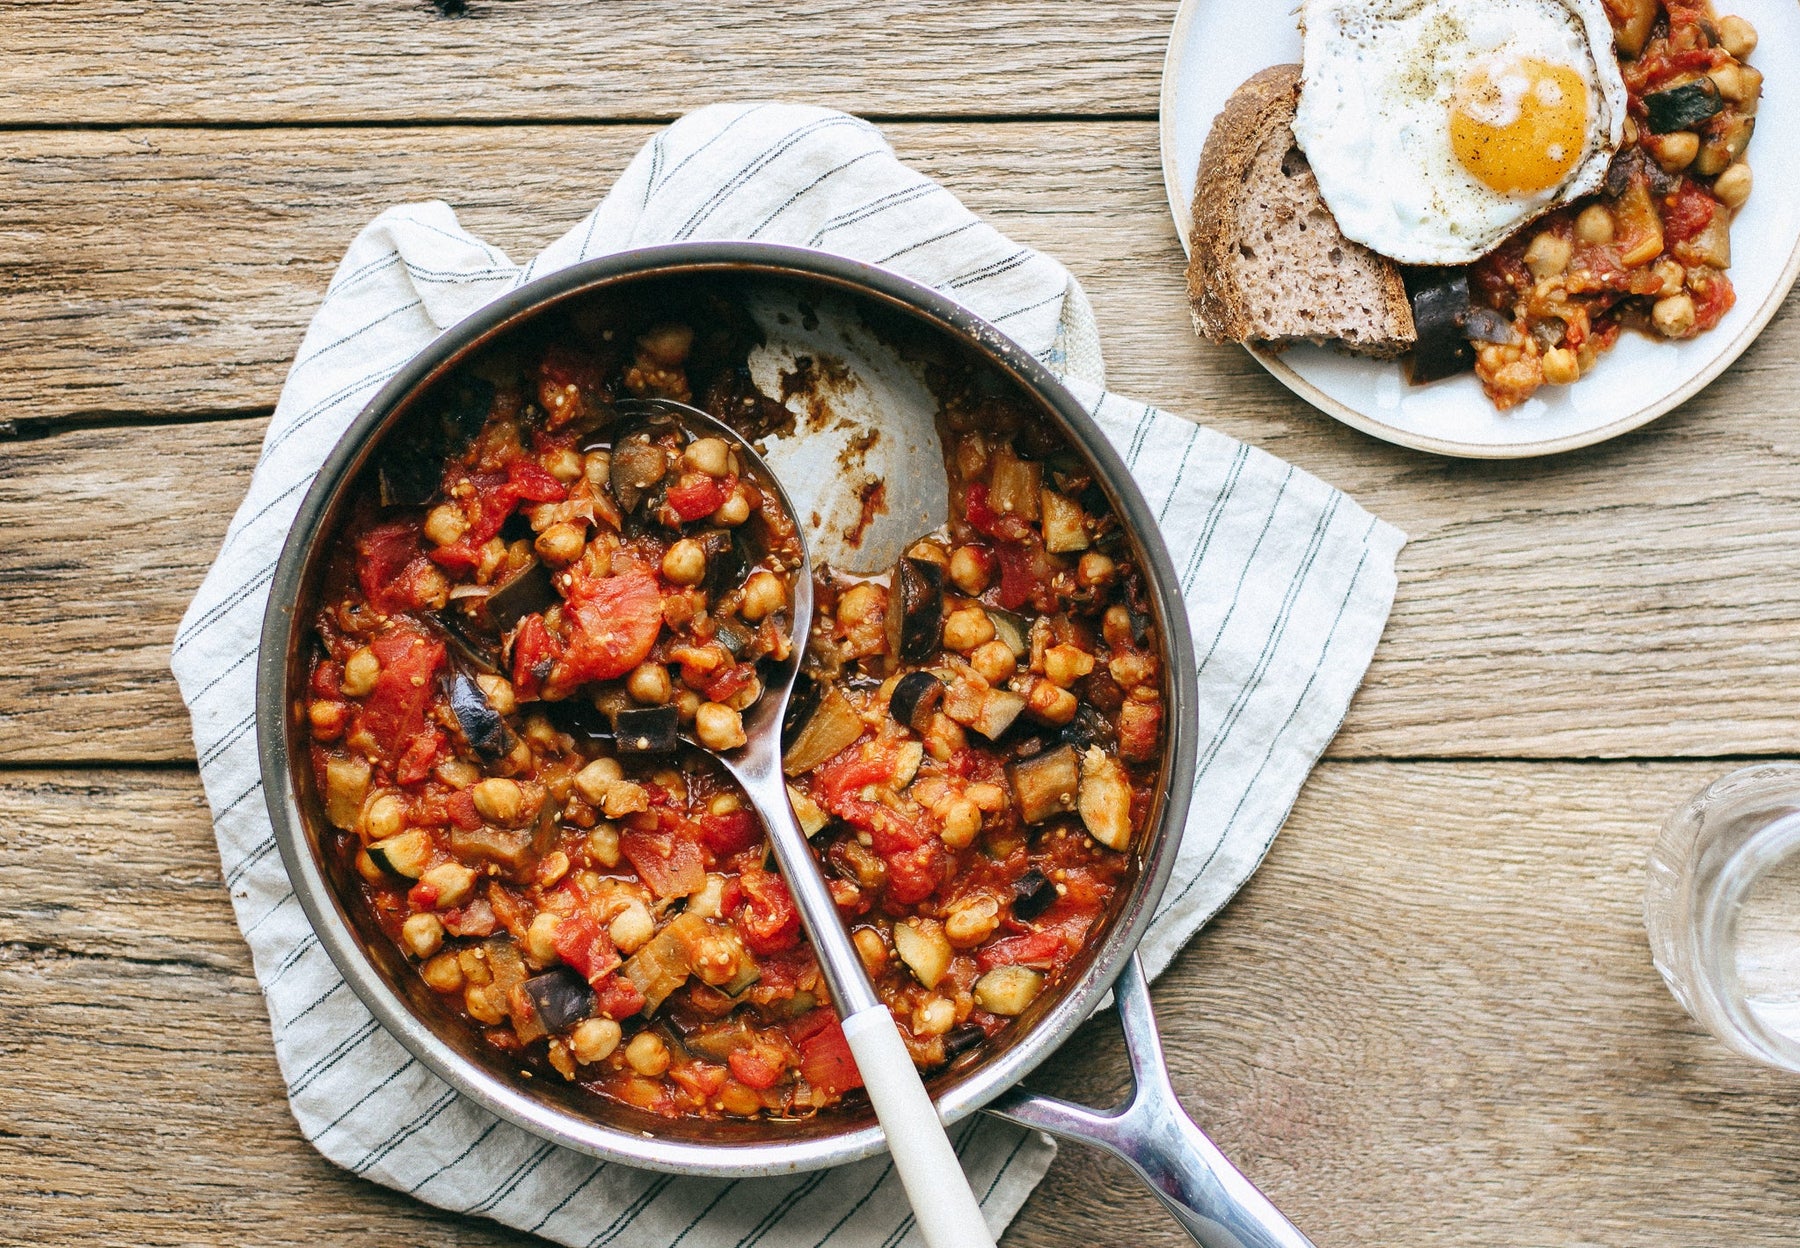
(1115, 626)
(987, 797)
(560, 544)
(733, 511)
(968, 570)
(360, 671)
(1737, 36)
(1737, 83)
(1674, 152)
(724, 804)
(1064, 665)
(685, 562)
(1094, 570)
(1594, 226)
(718, 727)
(458, 773)
(499, 800)
(423, 934)
(624, 798)
(709, 455)
(327, 719)
(632, 928)
(1733, 186)
(1050, 705)
(597, 778)
(444, 524)
(594, 1040)
(967, 628)
(667, 344)
(970, 924)
(1673, 316)
(647, 1054)
(540, 938)
(1671, 274)
(871, 949)
(498, 691)
(994, 661)
(1547, 256)
(384, 816)
(934, 1016)
(442, 973)
(687, 705)
(861, 604)
(430, 588)
(603, 845)
(565, 464)
(764, 594)
(962, 820)
(485, 1003)
(649, 684)
(453, 882)
(1560, 366)
(554, 866)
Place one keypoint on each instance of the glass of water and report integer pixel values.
(1723, 910)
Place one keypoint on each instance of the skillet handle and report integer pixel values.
(1153, 1135)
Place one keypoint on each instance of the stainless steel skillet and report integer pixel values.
(843, 305)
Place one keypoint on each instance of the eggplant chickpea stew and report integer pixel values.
(539, 599)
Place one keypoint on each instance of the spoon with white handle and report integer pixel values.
(944, 1207)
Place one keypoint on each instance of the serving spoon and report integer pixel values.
(943, 1205)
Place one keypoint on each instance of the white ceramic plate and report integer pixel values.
(1217, 44)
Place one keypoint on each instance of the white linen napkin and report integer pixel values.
(1288, 585)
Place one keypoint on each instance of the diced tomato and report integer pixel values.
(1025, 572)
(420, 757)
(487, 504)
(914, 874)
(395, 710)
(757, 1067)
(768, 920)
(612, 622)
(729, 833)
(531, 482)
(617, 997)
(1713, 297)
(841, 777)
(1686, 212)
(585, 945)
(389, 561)
(459, 559)
(731, 682)
(670, 864)
(534, 656)
(825, 1057)
(422, 896)
(695, 495)
(984, 519)
(461, 810)
(701, 1079)
(1041, 949)
(327, 680)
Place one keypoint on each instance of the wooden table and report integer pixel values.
(1431, 1018)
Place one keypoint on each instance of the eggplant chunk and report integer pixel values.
(646, 729)
(639, 463)
(833, 725)
(961, 1040)
(1046, 784)
(346, 784)
(1683, 107)
(482, 726)
(915, 613)
(727, 561)
(561, 998)
(1440, 301)
(915, 698)
(527, 592)
(510, 850)
(999, 708)
(1033, 893)
(1007, 990)
(1090, 727)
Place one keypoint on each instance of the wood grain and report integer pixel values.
(114, 61)
(1456, 1040)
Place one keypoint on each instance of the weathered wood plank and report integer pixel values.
(112, 61)
(1510, 1070)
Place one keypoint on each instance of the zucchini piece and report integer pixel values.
(346, 785)
(924, 948)
(915, 699)
(405, 853)
(1007, 990)
(811, 815)
(834, 725)
(1683, 107)
(1045, 784)
(1011, 628)
(661, 966)
(915, 610)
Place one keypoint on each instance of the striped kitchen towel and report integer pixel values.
(1288, 584)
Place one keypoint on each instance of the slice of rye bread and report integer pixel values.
(1268, 263)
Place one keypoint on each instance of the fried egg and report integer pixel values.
(1438, 127)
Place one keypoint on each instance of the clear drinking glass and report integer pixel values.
(1722, 908)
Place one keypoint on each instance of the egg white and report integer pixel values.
(1374, 115)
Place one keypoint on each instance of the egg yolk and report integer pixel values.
(1519, 127)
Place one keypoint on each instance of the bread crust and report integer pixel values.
(1261, 111)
